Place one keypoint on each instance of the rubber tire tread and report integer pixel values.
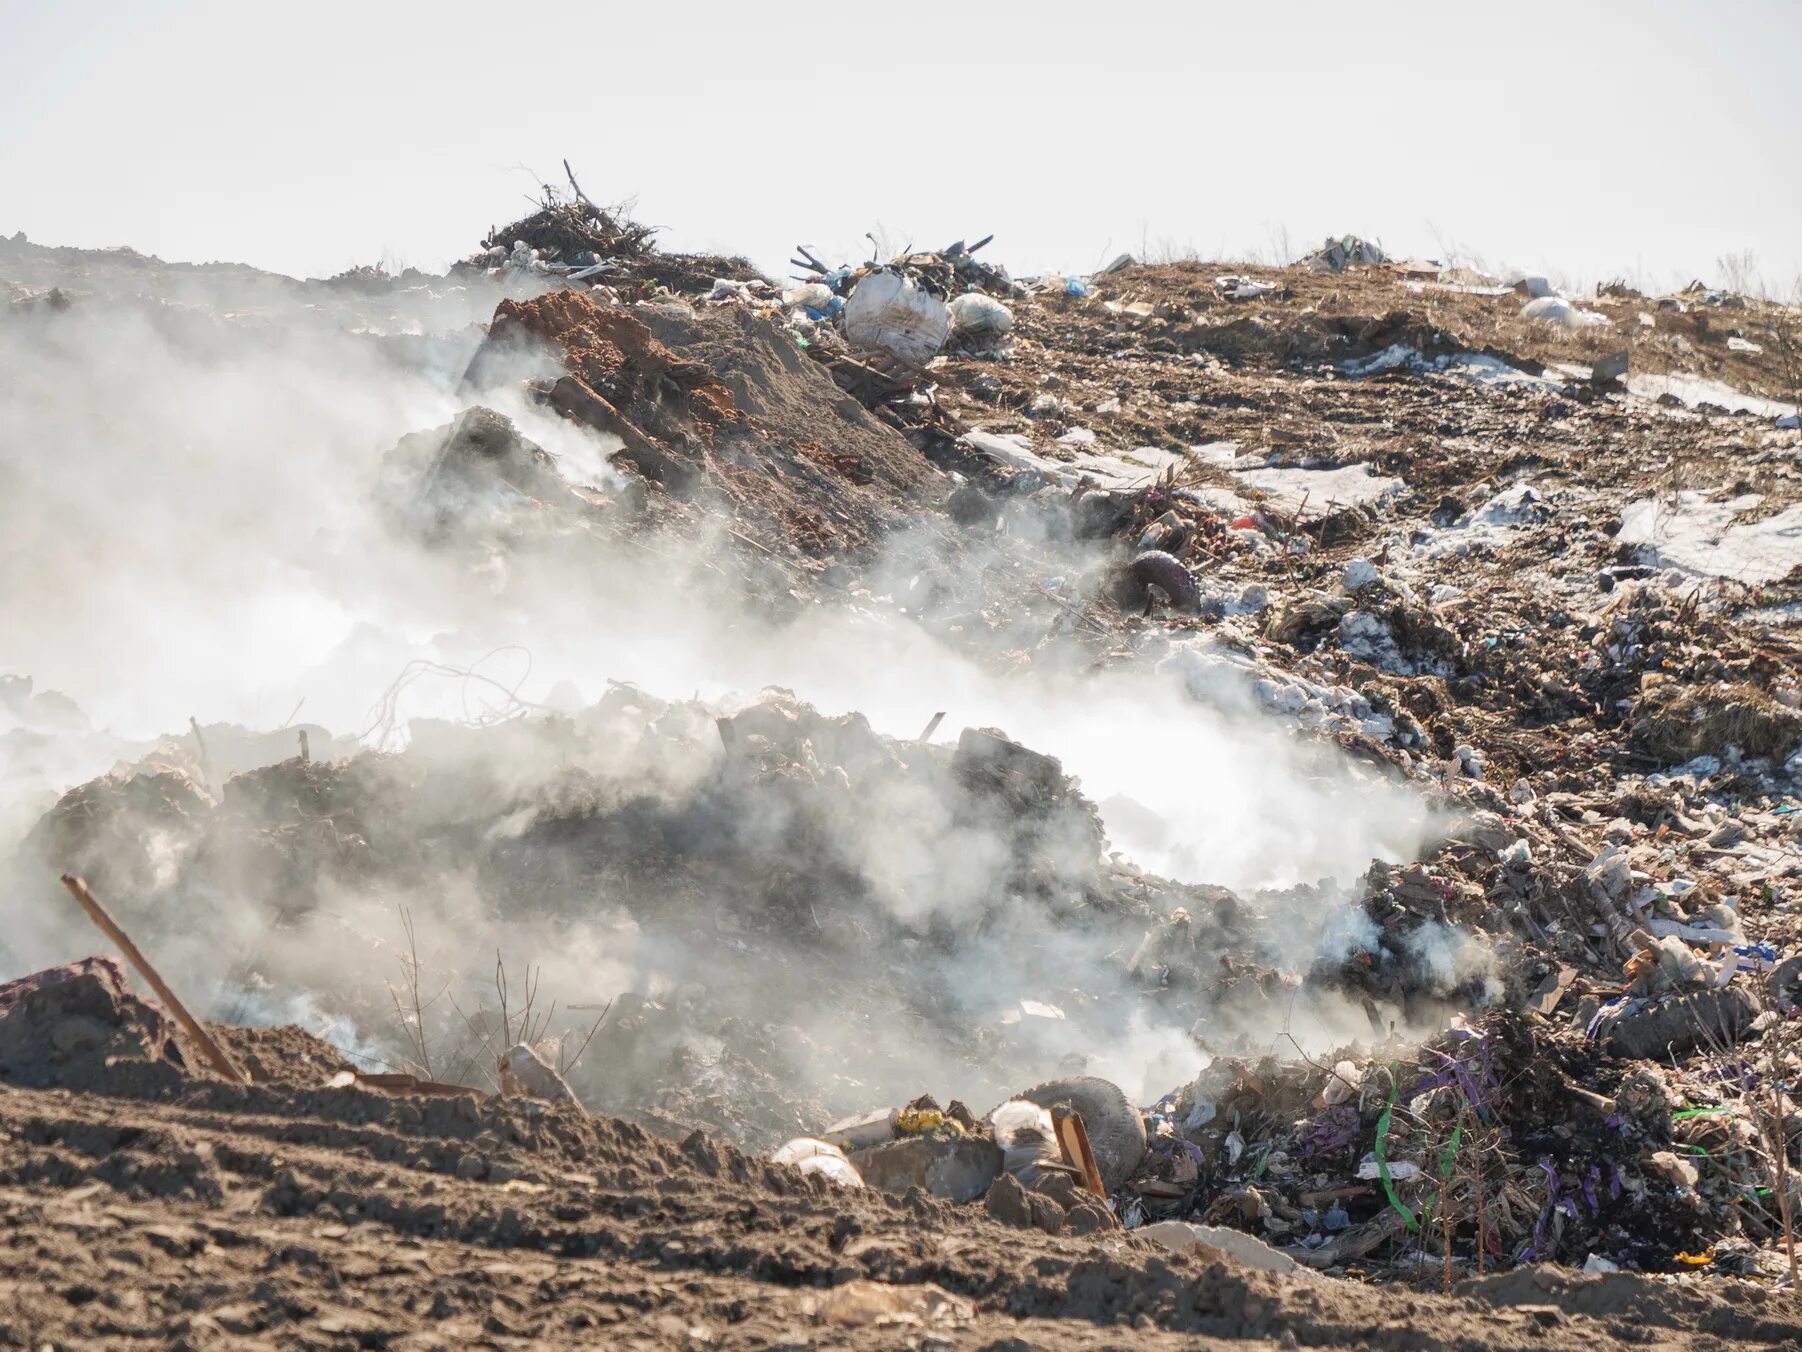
(1116, 1131)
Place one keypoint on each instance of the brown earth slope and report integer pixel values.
(173, 1210)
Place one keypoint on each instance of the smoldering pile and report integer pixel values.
(758, 918)
(777, 915)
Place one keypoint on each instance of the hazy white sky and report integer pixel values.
(1645, 137)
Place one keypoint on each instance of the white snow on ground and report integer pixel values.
(1701, 537)
(1693, 390)
(1478, 367)
(1490, 527)
(1346, 486)
(1120, 470)
(1484, 369)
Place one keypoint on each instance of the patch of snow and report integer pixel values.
(1693, 390)
(1396, 354)
(1518, 505)
(1705, 539)
(1484, 369)
(1318, 489)
(1364, 635)
(1478, 367)
(1490, 526)
(1128, 469)
(1461, 288)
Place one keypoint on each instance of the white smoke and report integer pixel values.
(187, 528)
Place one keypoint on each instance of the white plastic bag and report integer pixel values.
(980, 320)
(813, 1156)
(888, 313)
(1027, 1138)
(1558, 310)
(814, 295)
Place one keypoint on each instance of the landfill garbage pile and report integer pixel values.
(1336, 255)
(1538, 566)
(777, 862)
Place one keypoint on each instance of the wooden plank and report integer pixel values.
(1073, 1139)
(78, 888)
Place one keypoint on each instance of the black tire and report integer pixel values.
(1681, 1023)
(1116, 1131)
(1786, 984)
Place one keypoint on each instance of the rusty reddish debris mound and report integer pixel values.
(684, 431)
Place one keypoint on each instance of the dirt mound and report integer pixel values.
(785, 857)
(287, 1054)
(215, 1215)
(1678, 722)
(477, 476)
(79, 1027)
(119, 830)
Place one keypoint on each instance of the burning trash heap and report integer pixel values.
(1563, 1032)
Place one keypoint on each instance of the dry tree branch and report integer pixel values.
(412, 1014)
(565, 1067)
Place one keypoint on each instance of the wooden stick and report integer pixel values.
(580, 195)
(932, 727)
(206, 766)
(1780, 1121)
(78, 888)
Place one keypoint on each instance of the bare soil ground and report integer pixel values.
(200, 1214)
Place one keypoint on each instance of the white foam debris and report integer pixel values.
(1706, 539)
(1213, 674)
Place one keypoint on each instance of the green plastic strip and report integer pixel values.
(1382, 1148)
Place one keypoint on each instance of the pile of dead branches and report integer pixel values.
(569, 227)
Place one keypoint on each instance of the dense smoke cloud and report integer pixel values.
(189, 524)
